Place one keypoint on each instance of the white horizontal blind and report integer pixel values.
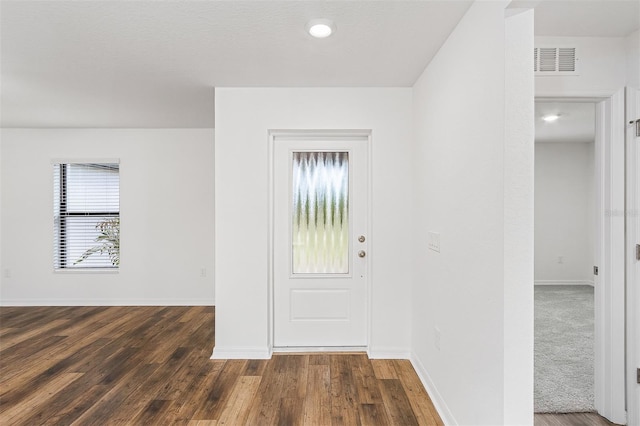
(86, 213)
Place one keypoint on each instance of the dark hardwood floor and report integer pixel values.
(571, 419)
(150, 365)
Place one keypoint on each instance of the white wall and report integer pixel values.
(602, 67)
(166, 202)
(461, 160)
(243, 117)
(564, 219)
(633, 59)
(518, 218)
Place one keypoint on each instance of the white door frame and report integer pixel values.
(309, 133)
(633, 238)
(609, 380)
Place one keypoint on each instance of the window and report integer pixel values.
(86, 214)
(320, 229)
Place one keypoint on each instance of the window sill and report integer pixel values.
(87, 271)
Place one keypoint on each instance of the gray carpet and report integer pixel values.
(563, 348)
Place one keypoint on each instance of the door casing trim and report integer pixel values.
(609, 386)
(273, 136)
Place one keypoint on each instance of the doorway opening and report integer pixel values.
(565, 255)
(608, 260)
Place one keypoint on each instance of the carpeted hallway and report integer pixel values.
(563, 349)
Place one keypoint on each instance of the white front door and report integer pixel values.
(320, 241)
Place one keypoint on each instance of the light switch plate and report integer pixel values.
(434, 241)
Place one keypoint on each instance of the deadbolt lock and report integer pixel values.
(361, 238)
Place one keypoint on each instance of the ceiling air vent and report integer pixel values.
(554, 61)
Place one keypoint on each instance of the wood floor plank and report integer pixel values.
(295, 371)
(27, 347)
(43, 359)
(17, 413)
(66, 406)
(150, 365)
(78, 387)
(319, 359)
(365, 380)
(396, 403)
(116, 398)
(185, 373)
(344, 407)
(17, 336)
(153, 412)
(241, 397)
(384, 369)
(373, 415)
(420, 401)
(198, 390)
(255, 367)
(571, 419)
(317, 407)
(265, 408)
(290, 411)
(216, 400)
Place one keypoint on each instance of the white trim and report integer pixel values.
(248, 352)
(611, 403)
(96, 160)
(609, 390)
(385, 352)
(573, 96)
(633, 237)
(98, 271)
(304, 349)
(107, 302)
(438, 401)
(599, 258)
(270, 238)
(609, 377)
(563, 282)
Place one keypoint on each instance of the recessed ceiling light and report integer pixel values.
(550, 118)
(320, 28)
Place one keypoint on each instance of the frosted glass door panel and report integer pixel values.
(320, 213)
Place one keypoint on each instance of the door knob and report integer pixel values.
(362, 253)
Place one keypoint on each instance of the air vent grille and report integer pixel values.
(548, 58)
(554, 60)
(567, 59)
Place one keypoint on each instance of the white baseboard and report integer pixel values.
(256, 352)
(107, 302)
(319, 349)
(389, 353)
(438, 402)
(563, 282)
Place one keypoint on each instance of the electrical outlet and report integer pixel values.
(437, 337)
(561, 259)
(7, 273)
(434, 241)
(203, 272)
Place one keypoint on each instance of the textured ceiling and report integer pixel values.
(155, 63)
(587, 18)
(124, 63)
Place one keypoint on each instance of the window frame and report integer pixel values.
(62, 236)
